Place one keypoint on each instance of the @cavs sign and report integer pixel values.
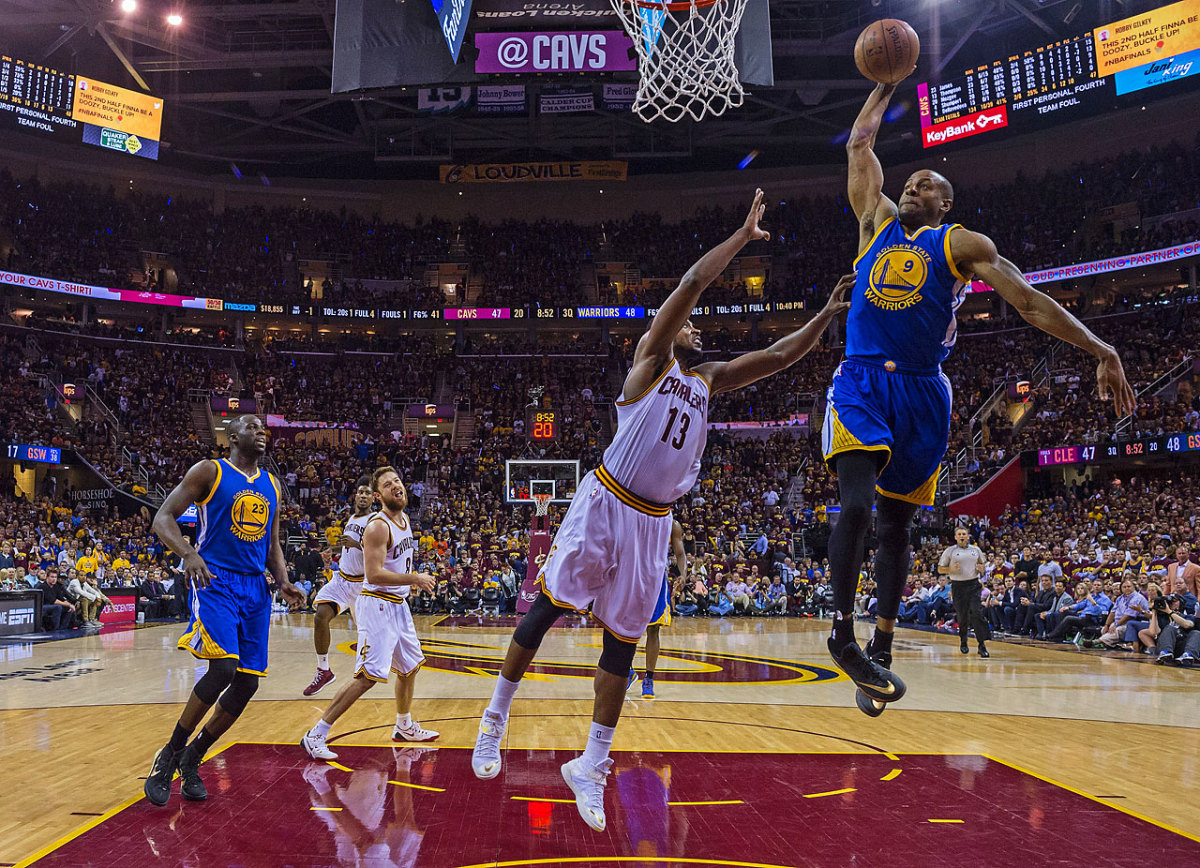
(551, 51)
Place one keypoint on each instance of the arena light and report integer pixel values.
(175, 19)
(129, 6)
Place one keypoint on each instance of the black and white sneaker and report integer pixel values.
(192, 787)
(876, 681)
(158, 782)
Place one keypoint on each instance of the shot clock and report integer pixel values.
(541, 425)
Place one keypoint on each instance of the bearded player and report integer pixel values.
(888, 421)
(341, 592)
(610, 553)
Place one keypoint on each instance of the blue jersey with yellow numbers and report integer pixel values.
(904, 302)
(235, 520)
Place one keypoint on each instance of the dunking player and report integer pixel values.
(662, 613)
(230, 603)
(611, 550)
(341, 592)
(889, 406)
(387, 637)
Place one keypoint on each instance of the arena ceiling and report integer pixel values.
(248, 82)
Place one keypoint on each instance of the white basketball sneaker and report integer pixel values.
(587, 782)
(485, 759)
(413, 732)
(315, 747)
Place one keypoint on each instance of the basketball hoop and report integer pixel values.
(541, 503)
(685, 56)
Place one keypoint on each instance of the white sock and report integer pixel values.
(323, 662)
(502, 696)
(321, 729)
(599, 744)
(404, 721)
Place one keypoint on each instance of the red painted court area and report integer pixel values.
(378, 806)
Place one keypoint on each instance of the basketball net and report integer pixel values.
(685, 56)
(541, 504)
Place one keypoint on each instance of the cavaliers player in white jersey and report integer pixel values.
(387, 637)
(341, 592)
(610, 552)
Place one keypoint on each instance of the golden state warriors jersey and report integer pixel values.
(235, 520)
(905, 298)
(660, 436)
(399, 555)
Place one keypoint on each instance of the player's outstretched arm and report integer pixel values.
(785, 352)
(976, 254)
(865, 185)
(195, 486)
(680, 552)
(653, 351)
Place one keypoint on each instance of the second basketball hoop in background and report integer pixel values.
(685, 56)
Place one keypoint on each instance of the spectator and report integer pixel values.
(58, 612)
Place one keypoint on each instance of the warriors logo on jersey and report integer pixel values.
(896, 279)
(249, 516)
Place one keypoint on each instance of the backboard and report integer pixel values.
(524, 478)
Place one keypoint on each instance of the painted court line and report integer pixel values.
(892, 775)
(536, 799)
(831, 793)
(945, 821)
(697, 804)
(418, 786)
(338, 766)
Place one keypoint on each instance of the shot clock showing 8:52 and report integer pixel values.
(39, 454)
(541, 425)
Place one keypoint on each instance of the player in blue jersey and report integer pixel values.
(230, 603)
(888, 417)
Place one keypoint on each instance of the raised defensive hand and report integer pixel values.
(1111, 382)
(757, 209)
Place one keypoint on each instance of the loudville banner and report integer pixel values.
(507, 173)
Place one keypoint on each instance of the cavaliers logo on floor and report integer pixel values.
(675, 665)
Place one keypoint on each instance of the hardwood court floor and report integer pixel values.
(81, 719)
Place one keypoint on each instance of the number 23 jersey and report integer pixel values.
(660, 436)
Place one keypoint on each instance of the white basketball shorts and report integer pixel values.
(610, 552)
(340, 592)
(387, 637)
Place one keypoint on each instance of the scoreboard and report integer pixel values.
(541, 425)
(38, 454)
(1165, 446)
(1082, 75)
(36, 98)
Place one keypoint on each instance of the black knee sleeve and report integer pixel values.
(219, 676)
(540, 618)
(617, 656)
(234, 699)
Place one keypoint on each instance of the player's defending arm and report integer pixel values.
(865, 185)
(277, 564)
(785, 352)
(677, 548)
(653, 352)
(194, 487)
(375, 540)
(975, 254)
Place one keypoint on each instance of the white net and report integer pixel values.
(541, 504)
(685, 56)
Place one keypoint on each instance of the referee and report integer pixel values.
(961, 563)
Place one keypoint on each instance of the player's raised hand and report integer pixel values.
(196, 570)
(757, 209)
(837, 299)
(1111, 382)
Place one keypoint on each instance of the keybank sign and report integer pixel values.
(553, 51)
(453, 16)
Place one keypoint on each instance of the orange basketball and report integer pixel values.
(887, 51)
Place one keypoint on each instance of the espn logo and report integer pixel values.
(968, 125)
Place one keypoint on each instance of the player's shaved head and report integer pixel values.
(944, 183)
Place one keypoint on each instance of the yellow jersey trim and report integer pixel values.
(697, 374)
(215, 485)
(950, 259)
(362, 670)
(412, 671)
(351, 577)
(628, 498)
(874, 238)
(923, 495)
(262, 674)
(384, 595)
(378, 517)
(249, 478)
(626, 402)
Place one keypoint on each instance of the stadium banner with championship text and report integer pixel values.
(501, 99)
(565, 99)
(555, 51)
(618, 97)
(505, 173)
(1152, 36)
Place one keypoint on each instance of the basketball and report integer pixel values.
(887, 50)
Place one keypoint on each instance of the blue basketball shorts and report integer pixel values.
(662, 609)
(230, 618)
(906, 416)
